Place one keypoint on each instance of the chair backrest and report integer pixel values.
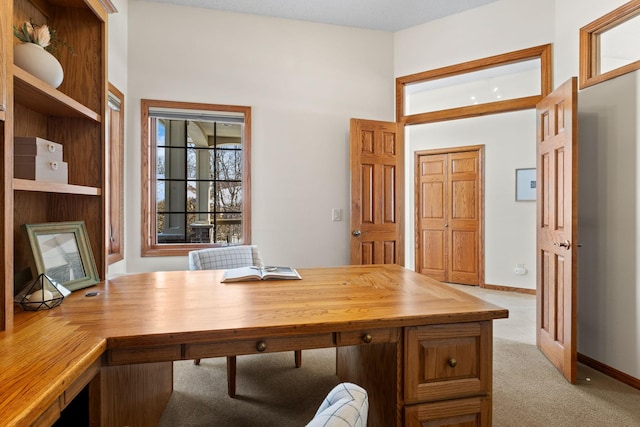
(347, 405)
(225, 257)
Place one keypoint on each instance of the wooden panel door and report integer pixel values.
(377, 195)
(432, 239)
(449, 215)
(464, 218)
(557, 208)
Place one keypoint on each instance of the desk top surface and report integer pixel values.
(164, 306)
(47, 350)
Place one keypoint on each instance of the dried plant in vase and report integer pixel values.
(36, 53)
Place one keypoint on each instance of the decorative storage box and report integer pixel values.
(34, 146)
(39, 159)
(40, 169)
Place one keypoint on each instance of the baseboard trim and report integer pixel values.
(609, 371)
(509, 289)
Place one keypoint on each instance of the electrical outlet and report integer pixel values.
(520, 270)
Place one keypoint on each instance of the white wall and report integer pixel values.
(494, 29)
(304, 81)
(509, 141)
(118, 76)
(609, 184)
(117, 33)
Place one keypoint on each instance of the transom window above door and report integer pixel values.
(508, 82)
(196, 175)
(609, 45)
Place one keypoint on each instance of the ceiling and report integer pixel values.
(383, 15)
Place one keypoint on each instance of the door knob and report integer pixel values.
(356, 233)
(566, 244)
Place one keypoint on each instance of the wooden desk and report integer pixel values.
(397, 334)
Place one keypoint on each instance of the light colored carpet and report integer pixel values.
(270, 391)
(527, 389)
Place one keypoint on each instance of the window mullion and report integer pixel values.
(185, 173)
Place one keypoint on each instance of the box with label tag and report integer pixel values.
(39, 159)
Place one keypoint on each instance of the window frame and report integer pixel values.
(115, 198)
(589, 73)
(150, 246)
(543, 53)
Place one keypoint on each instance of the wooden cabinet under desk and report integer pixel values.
(448, 374)
(431, 375)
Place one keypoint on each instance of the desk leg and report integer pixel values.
(135, 395)
(377, 368)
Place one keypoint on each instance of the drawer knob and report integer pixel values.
(367, 338)
(452, 362)
(261, 346)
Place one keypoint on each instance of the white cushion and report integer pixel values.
(347, 405)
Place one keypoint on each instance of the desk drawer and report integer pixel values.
(254, 346)
(126, 356)
(447, 361)
(367, 336)
(470, 412)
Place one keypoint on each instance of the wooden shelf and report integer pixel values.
(54, 187)
(73, 115)
(39, 96)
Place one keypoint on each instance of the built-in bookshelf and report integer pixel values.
(71, 115)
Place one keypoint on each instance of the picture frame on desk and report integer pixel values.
(62, 251)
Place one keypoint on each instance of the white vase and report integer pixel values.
(34, 59)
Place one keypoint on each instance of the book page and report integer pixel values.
(270, 273)
(260, 273)
(242, 273)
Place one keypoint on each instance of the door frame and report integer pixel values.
(416, 201)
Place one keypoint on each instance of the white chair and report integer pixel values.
(346, 405)
(223, 258)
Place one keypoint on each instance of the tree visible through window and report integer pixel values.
(198, 175)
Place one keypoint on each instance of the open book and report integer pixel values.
(260, 273)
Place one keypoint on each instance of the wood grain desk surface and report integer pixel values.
(166, 307)
(47, 350)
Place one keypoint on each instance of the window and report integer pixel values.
(115, 210)
(196, 176)
(609, 45)
(508, 82)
